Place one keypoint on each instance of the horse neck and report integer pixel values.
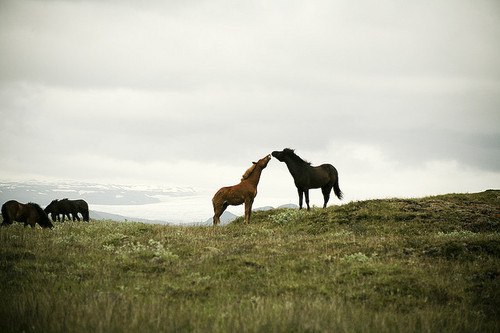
(294, 167)
(254, 176)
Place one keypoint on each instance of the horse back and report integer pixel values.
(319, 176)
(70, 205)
(81, 204)
(234, 195)
(15, 210)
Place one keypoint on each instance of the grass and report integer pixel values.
(412, 265)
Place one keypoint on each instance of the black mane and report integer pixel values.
(291, 153)
(43, 218)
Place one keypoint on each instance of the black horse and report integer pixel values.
(308, 177)
(29, 213)
(57, 208)
(66, 207)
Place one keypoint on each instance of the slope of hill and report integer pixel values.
(397, 265)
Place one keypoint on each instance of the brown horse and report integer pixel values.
(244, 192)
(29, 213)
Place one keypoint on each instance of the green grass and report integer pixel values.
(412, 265)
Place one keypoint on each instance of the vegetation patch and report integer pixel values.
(412, 265)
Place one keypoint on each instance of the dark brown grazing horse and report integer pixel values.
(244, 192)
(307, 177)
(29, 213)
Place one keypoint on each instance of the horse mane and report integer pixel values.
(248, 172)
(295, 157)
(43, 217)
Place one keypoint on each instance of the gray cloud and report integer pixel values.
(222, 83)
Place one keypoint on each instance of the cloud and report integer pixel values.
(141, 92)
(103, 44)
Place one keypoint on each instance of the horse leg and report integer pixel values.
(6, 220)
(248, 210)
(218, 210)
(31, 221)
(326, 194)
(301, 196)
(85, 215)
(306, 192)
(216, 219)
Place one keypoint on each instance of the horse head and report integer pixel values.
(263, 161)
(282, 155)
(288, 155)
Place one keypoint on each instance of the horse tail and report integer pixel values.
(5, 215)
(336, 187)
(43, 218)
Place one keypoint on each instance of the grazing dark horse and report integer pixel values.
(29, 213)
(66, 207)
(308, 177)
(244, 192)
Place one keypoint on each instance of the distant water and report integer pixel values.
(187, 209)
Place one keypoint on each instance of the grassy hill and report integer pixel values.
(398, 265)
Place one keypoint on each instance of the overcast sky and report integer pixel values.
(402, 97)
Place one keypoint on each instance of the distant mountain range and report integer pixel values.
(227, 217)
(97, 215)
(98, 194)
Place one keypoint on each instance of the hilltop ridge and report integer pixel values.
(475, 211)
(428, 264)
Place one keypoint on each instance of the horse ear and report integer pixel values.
(254, 162)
